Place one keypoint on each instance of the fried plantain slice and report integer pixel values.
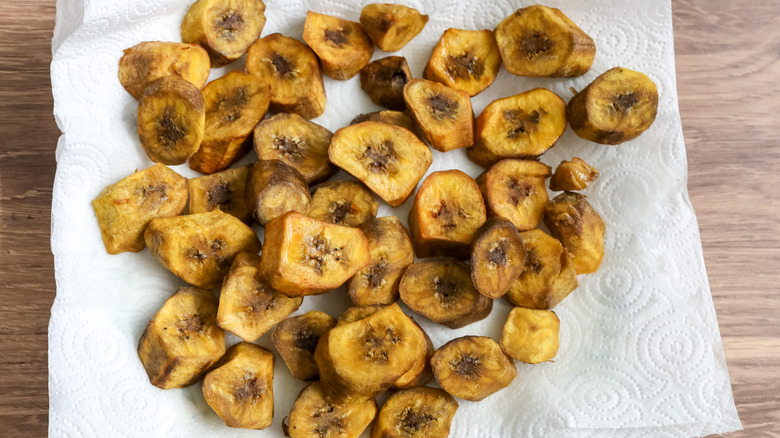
(391, 26)
(225, 28)
(248, 306)
(521, 126)
(274, 188)
(573, 175)
(363, 358)
(298, 143)
(199, 248)
(419, 412)
(420, 373)
(356, 313)
(497, 257)
(235, 104)
(572, 220)
(296, 338)
(240, 388)
(171, 120)
(224, 190)
(342, 46)
(384, 80)
(388, 159)
(616, 107)
(515, 189)
(347, 203)
(182, 340)
(448, 209)
(466, 60)
(542, 41)
(304, 256)
(391, 252)
(548, 277)
(314, 417)
(390, 117)
(293, 72)
(443, 114)
(440, 289)
(150, 60)
(472, 367)
(531, 335)
(124, 208)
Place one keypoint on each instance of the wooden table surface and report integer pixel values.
(728, 73)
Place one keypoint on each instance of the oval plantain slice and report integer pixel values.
(440, 289)
(235, 103)
(572, 220)
(531, 335)
(347, 203)
(542, 41)
(548, 277)
(342, 46)
(388, 159)
(443, 114)
(314, 417)
(497, 257)
(248, 306)
(573, 175)
(515, 190)
(171, 120)
(293, 72)
(225, 28)
(472, 367)
(240, 388)
(419, 412)
(224, 190)
(466, 60)
(296, 338)
(616, 107)
(298, 143)
(274, 188)
(150, 60)
(384, 80)
(521, 126)
(391, 26)
(397, 118)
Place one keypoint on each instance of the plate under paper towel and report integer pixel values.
(640, 352)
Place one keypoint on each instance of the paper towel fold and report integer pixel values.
(640, 351)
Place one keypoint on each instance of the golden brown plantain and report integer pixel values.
(314, 417)
(296, 338)
(472, 367)
(419, 412)
(466, 60)
(497, 257)
(420, 373)
(391, 26)
(171, 120)
(199, 248)
(342, 46)
(124, 208)
(390, 117)
(182, 340)
(384, 80)
(616, 107)
(573, 175)
(542, 41)
(150, 60)
(347, 203)
(443, 114)
(572, 220)
(274, 188)
(531, 335)
(356, 313)
(224, 190)
(515, 189)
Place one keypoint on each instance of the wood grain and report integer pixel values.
(728, 66)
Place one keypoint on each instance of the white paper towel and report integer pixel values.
(640, 350)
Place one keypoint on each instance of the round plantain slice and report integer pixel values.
(443, 114)
(171, 120)
(515, 190)
(225, 28)
(342, 46)
(384, 80)
(448, 209)
(224, 190)
(572, 220)
(573, 175)
(347, 203)
(150, 60)
(420, 412)
(521, 126)
(240, 388)
(293, 72)
(314, 417)
(616, 107)
(296, 338)
(497, 257)
(548, 277)
(531, 335)
(542, 41)
(466, 60)
(274, 188)
(391, 26)
(472, 367)
(440, 289)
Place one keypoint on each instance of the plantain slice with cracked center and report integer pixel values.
(388, 159)
(616, 107)
(347, 203)
(572, 220)
(224, 190)
(443, 114)
(342, 46)
(466, 60)
(391, 26)
(515, 190)
(416, 413)
(225, 28)
(531, 335)
(497, 257)
(542, 41)
(150, 60)
(171, 120)
(314, 417)
(295, 339)
(291, 68)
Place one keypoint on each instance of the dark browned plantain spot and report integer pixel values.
(305, 339)
(467, 365)
(237, 99)
(190, 324)
(282, 65)
(339, 211)
(219, 194)
(251, 391)
(448, 214)
(413, 421)
(523, 122)
(230, 23)
(443, 107)
(379, 156)
(497, 255)
(532, 262)
(519, 190)
(337, 37)
(623, 102)
(288, 147)
(465, 66)
(536, 43)
(376, 274)
(168, 131)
